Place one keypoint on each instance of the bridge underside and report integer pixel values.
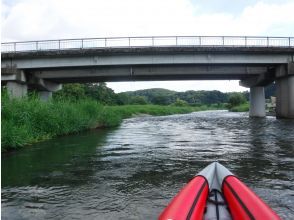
(150, 73)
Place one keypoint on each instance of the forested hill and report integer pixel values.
(166, 97)
(105, 95)
(151, 92)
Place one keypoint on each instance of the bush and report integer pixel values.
(138, 100)
(180, 103)
(236, 99)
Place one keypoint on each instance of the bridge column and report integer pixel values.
(285, 97)
(257, 102)
(285, 91)
(17, 90)
(291, 97)
(45, 95)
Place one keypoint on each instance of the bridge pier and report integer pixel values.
(16, 90)
(257, 102)
(285, 97)
(285, 91)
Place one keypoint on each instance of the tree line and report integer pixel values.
(101, 93)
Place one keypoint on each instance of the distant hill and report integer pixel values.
(166, 97)
(105, 95)
(151, 92)
(155, 96)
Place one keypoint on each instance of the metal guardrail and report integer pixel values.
(161, 41)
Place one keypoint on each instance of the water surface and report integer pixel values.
(133, 171)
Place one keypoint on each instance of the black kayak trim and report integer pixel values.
(216, 205)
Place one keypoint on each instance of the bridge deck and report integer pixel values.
(159, 41)
(149, 50)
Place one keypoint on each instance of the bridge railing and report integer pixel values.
(116, 42)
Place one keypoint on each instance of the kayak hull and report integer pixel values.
(190, 202)
(243, 202)
(216, 194)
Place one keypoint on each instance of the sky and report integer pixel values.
(24, 20)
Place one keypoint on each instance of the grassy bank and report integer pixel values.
(26, 121)
(126, 111)
(29, 120)
(240, 108)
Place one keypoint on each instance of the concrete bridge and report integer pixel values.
(255, 61)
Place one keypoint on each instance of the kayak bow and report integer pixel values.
(215, 193)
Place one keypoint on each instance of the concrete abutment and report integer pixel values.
(16, 90)
(18, 84)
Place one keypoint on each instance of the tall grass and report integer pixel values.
(29, 120)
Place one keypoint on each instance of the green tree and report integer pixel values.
(72, 91)
(160, 100)
(138, 100)
(236, 99)
(101, 93)
(180, 103)
(123, 99)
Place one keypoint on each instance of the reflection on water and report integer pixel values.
(132, 172)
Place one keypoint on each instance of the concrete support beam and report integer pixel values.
(257, 102)
(18, 76)
(285, 97)
(50, 86)
(44, 85)
(45, 88)
(45, 95)
(17, 90)
(263, 79)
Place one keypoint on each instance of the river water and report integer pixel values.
(133, 171)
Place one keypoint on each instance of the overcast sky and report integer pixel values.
(57, 19)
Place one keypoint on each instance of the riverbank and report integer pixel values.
(28, 120)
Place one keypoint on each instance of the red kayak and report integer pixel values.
(216, 194)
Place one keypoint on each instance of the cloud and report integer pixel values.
(57, 19)
(42, 19)
(263, 18)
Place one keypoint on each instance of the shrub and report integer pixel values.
(236, 99)
(180, 102)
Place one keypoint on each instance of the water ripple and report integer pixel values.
(132, 172)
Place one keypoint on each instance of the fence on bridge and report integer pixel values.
(161, 41)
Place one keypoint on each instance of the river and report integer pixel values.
(133, 171)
